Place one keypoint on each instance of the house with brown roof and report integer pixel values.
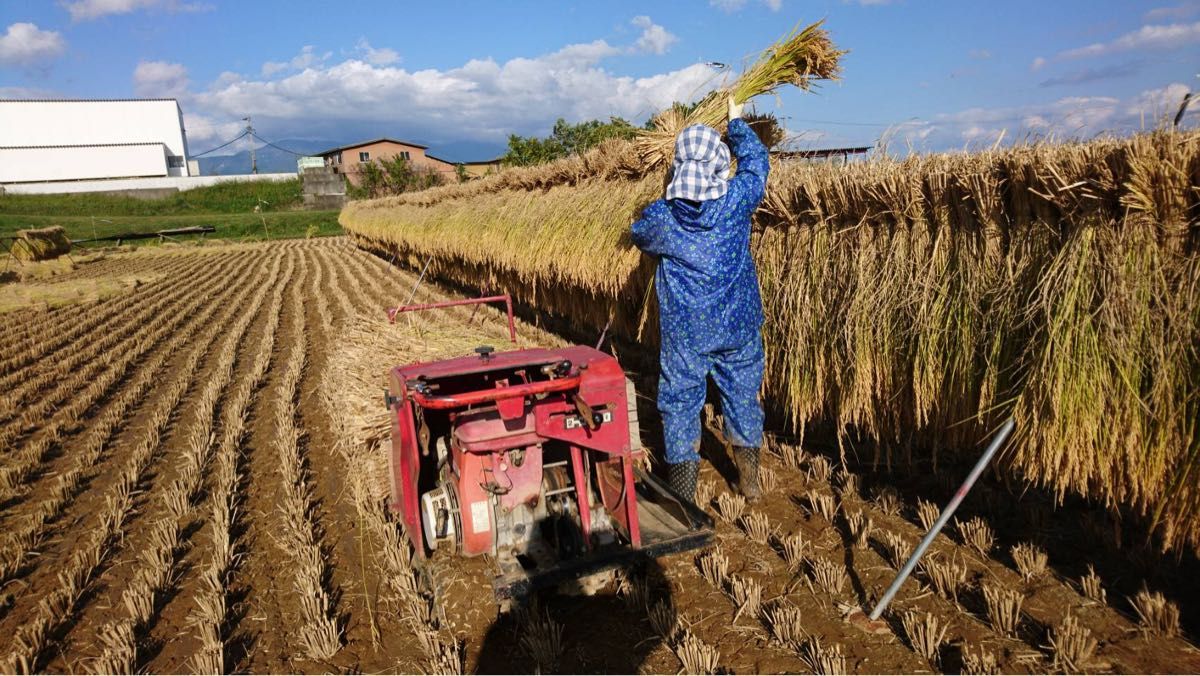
(349, 160)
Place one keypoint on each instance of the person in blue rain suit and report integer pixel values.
(710, 313)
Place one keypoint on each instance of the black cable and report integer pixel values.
(240, 137)
(277, 147)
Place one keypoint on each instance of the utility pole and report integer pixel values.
(250, 133)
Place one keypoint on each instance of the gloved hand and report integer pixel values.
(735, 108)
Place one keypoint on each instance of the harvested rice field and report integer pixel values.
(192, 480)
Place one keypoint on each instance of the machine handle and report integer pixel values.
(481, 396)
(505, 298)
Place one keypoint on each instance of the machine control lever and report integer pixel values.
(485, 352)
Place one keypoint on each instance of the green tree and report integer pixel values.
(565, 139)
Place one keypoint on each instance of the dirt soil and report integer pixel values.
(191, 478)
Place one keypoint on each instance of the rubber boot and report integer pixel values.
(681, 479)
(747, 465)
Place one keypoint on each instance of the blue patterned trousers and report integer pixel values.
(683, 384)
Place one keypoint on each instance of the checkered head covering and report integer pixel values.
(701, 170)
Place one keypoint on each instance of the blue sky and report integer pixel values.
(461, 76)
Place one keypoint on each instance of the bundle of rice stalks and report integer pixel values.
(541, 639)
(785, 624)
(947, 576)
(714, 566)
(1003, 608)
(925, 634)
(977, 534)
(1156, 615)
(823, 659)
(981, 662)
(859, 525)
(793, 548)
(757, 527)
(1092, 587)
(822, 504)
(898, 549)
(829, 576)
(705, 490)
(801, 58)
(730, 506)
(664, 619)
(1071, 645)
(696, 656)
(927, 514)
(746, 595)
(41, 244)
(1030, 559)
(887, 500)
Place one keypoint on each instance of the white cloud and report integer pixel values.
(307, 58)
(1180, 11)
(481, 100)
(28, 93)
(735, 5)
(1168, 36)
(86, 10)
(160, 79)
(1068, 117)
(1038, 64)
(25, 43)
(382, 56)
(654, 38)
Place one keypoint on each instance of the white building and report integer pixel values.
(76, 140)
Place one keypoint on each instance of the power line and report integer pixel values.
(293, 152)
(239, 137)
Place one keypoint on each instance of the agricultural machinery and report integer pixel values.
(529, 456)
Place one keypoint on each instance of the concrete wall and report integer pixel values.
(73, 123)
(20, 165)
(322, 188)
(176, 182)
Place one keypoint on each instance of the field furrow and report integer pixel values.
(63, 328)
(20, 467)
(175, 512)
(83, 367)
(89, 556)
(28, 529)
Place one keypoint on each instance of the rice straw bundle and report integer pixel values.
(41, 244)
(800, 59)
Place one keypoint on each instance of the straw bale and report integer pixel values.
(41, 244)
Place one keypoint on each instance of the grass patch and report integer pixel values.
(279, 225)
(234, 197)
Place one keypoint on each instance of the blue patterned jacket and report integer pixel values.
(706, 282)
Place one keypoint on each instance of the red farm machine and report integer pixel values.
(530, 456)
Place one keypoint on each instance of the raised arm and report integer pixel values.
(753, 165)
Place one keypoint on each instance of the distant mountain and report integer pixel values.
(270, 160)
(274, 161)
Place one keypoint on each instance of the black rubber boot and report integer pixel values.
(681, 479)
(747, 464)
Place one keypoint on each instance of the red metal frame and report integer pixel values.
(545, 407)
(481, 396)
(482, 300)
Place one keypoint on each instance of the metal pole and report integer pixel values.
(947, 512)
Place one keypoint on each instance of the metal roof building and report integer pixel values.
(74, 139)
